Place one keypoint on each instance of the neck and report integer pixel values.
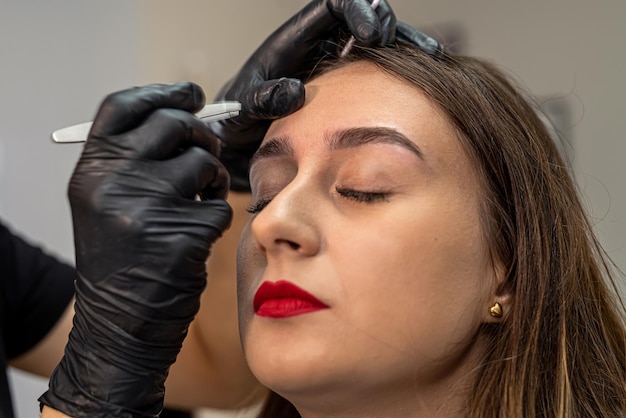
(444, 396)
(446, 402)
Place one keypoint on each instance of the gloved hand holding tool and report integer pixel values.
(147, 199)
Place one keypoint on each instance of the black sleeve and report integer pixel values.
(36, 288)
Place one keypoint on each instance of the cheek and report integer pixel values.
(423, 240)
(434, 267)
(451, 253)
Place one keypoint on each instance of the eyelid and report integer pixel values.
(359, 196)
(362, 196)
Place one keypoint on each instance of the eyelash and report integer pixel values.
(358, 196)
(258, 206)
(362, 197)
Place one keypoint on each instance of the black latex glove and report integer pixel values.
(268, 85)
(142, 240)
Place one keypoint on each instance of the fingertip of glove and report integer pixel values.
(197, 95)
(194, 92)
(432, 47)
(289, 96)
(277, 98)
(366, 32)
(424, 42)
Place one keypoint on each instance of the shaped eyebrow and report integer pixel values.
(274, 147)
(356, 137)
(344, 139)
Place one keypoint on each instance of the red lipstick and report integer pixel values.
(283, 299)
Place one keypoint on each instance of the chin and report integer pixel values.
(316, 386)
(285, 363)
(292, 383)
(304, 387)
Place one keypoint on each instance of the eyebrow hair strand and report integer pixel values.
(273, 147)
(355, 137)
(344, 139)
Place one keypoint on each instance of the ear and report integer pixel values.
(501, 301)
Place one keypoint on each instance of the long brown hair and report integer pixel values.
(561, 349)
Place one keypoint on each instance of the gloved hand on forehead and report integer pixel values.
(269, 86)
(142, 239)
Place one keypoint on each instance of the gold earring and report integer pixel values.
(496, 310)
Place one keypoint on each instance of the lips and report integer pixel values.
(283, 299)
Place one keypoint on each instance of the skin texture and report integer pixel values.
(405, 271)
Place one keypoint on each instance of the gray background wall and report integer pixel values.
(59, 59)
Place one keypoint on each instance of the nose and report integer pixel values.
(287, 226)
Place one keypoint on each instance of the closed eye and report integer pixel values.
(362, 197)
(258, 205)
(356, 195)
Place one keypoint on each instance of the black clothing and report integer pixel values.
(35, 290)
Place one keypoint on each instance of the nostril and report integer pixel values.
(293, 245)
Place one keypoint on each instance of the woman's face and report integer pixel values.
(368, 220)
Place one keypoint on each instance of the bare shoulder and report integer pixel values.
(52, 413)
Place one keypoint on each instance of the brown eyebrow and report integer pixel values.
(356, 137)
(274, 147)
(348, 138)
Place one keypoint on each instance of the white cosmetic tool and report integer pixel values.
(209, 113)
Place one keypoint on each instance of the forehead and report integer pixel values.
(361, 95)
